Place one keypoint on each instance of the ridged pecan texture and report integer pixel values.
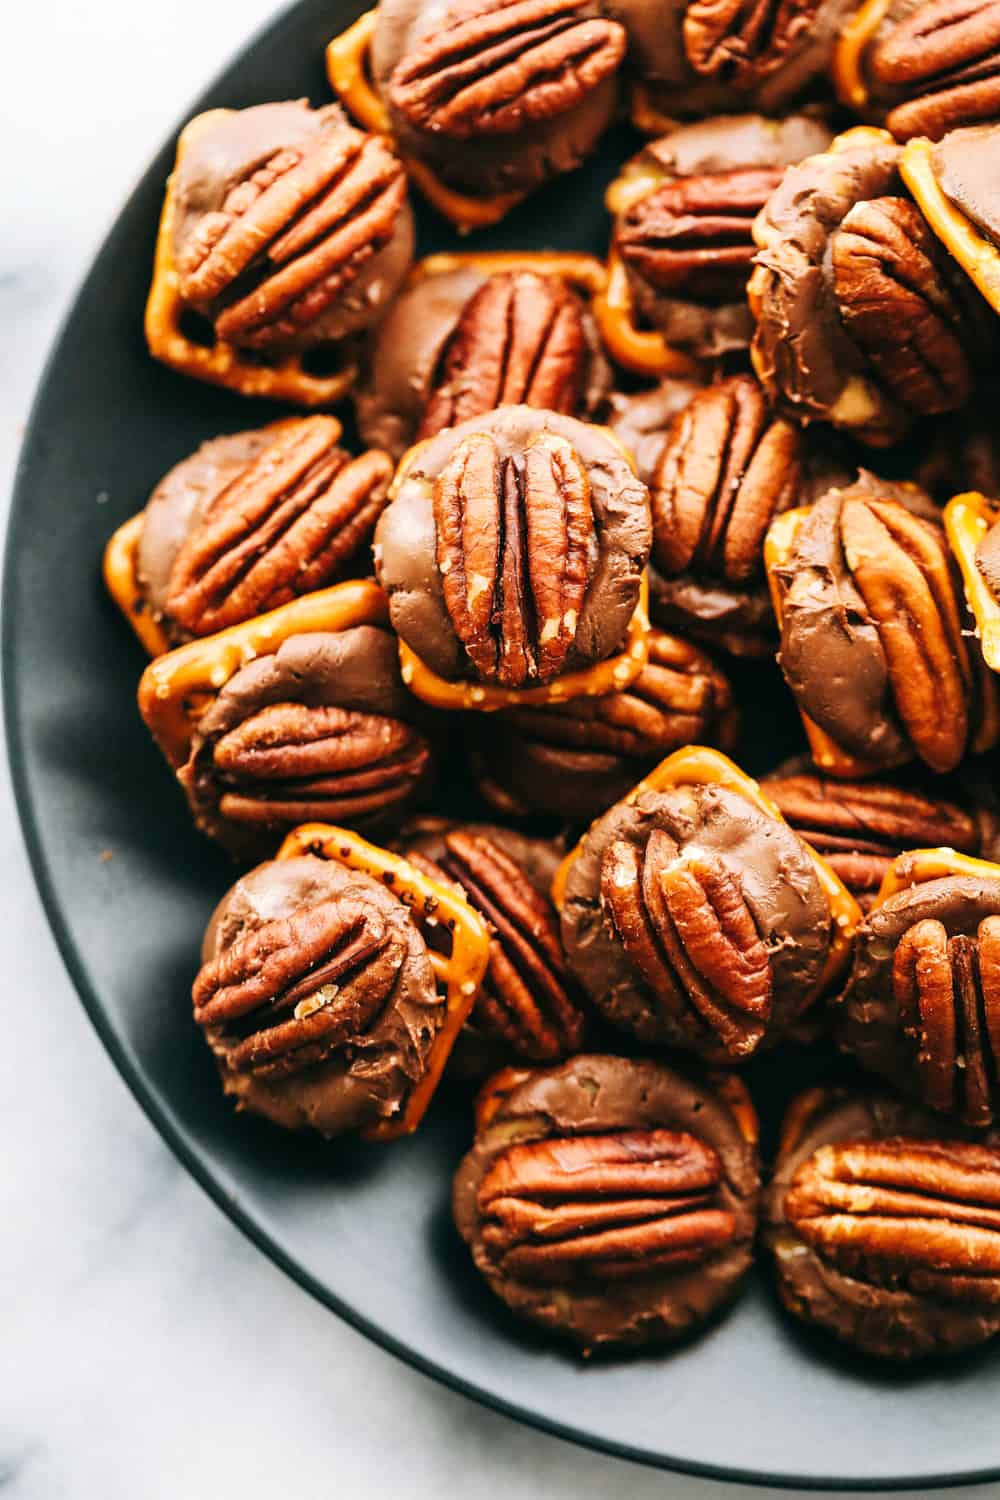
(728, 466)
(527, 999)
(496, 67)
(901, 569)
(603, 1207)
(891, 273)
(740, 42)
(285, 525)
(860, 827)
(947, 990)
(692, 236)
(679, 698)
(943, 58)
(514, 544)
(686, 927)
(520, 340)
(912, 1215)
(288, 994)
(294, 763)
(290, 239)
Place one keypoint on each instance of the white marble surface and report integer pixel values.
(147, 1349)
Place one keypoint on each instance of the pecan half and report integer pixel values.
(944, 55)
(630, 1203)
(692, 237)
(686, 926)
(740, 42)
(679, 698)
(890, 281)
(520, 340)
(514, 542)
(948, 993)
(860, 827)
(913, 1215)
(285, 525)
(901, 569)
(286, 995)
(495, 67)
(292, 237)
(727, 468)
(527, 999)
(290, 763)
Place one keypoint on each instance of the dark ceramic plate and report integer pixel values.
(128, 885)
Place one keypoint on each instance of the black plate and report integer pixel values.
(127, 886)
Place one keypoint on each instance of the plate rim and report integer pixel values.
(185, 1150)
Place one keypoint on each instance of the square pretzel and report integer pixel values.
(699, 765)
(222, 363)
(430, 905)
(347, 68)
(175, 688)
(120, 569)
